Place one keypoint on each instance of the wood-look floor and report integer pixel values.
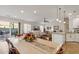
(71, 48)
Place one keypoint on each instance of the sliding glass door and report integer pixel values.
(4, 29)
(8, 29)
(14, 28)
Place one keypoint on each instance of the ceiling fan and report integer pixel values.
(45, 20)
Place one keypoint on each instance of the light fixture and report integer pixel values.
(22, 11)
(35, 11)
(59, 21)
(46, 20)
(58, 13)
(64, 22)
(74, 14)
(64, 16)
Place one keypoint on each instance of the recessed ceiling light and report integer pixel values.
(35, 11)
(22, 11)
(57, 19)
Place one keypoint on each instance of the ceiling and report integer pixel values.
(42, 11)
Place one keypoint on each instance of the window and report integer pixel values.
(27, 28)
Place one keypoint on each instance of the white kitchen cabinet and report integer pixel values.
(72, 37)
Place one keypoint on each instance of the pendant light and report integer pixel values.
(57, 15)
(64, 17)
(74, 13)
(64, 22)
(44, 24)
